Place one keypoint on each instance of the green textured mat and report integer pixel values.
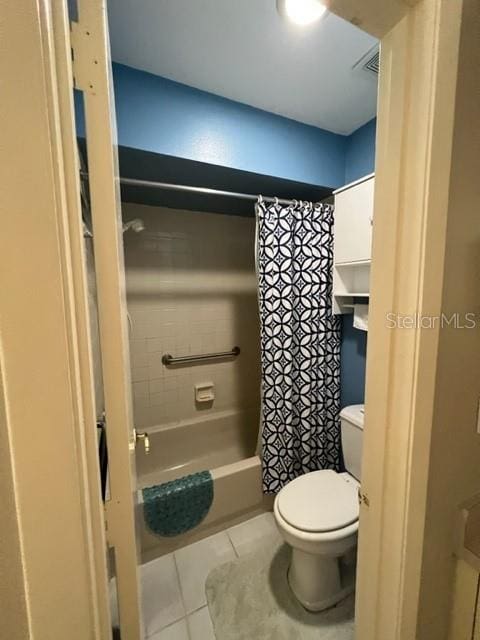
(177, 506)
(249, 599)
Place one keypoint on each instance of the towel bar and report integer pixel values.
(168, 360)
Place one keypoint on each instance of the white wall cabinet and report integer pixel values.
(353, 221)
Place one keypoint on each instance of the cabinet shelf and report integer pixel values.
(351, 294)
(353, 263)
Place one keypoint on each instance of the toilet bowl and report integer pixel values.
(317, 515)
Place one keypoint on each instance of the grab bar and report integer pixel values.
(168, 360)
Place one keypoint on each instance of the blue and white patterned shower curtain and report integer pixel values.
(300, 342)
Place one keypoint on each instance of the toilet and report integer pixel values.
(317, 515)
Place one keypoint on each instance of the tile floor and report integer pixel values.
(174, 602)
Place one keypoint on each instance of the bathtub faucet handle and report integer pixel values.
(144, 437)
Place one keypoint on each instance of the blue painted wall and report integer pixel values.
(165, 117)
(353, 353)
(360, 152)
(359, 161)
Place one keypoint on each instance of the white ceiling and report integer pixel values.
(243, 50)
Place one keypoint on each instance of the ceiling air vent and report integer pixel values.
(373, 63)
(369, 62)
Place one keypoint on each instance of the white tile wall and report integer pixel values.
(191, 288)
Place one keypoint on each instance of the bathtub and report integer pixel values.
(223, 443)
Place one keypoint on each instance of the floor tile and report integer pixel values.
(247, 536)
(195, 563)
(176, 631)
(161, 597)
(200, 625)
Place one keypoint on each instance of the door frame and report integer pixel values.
(47, 415)
(420, 49)
(92, 74)
(413, 164)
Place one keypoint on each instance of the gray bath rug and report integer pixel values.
(250, 599)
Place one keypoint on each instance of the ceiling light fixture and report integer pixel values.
(301, 12)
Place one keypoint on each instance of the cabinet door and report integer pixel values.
(353, 223)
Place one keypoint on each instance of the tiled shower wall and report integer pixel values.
(191, 289)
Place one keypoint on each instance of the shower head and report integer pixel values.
(136, 225)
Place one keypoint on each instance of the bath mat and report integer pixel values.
(250, 599)
(177, 506)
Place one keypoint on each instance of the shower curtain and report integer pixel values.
(300, 341)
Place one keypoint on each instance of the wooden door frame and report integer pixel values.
(92, 73)
(414, 150)
(47, 415)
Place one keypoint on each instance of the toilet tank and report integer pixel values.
(351, 422)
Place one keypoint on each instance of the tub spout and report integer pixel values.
(146, 440)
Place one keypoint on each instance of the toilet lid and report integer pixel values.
(319, 501)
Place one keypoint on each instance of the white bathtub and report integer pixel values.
(223, 443)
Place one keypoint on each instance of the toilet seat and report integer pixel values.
(319, 502)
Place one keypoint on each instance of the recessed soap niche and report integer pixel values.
(204, 393)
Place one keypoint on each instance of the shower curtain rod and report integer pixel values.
(134, 182)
